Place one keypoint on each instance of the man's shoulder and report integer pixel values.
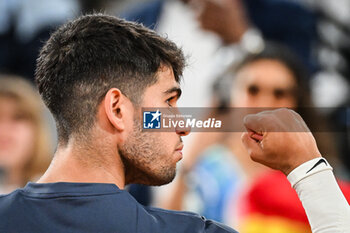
(8, 198)
(109, 212)
(184, 221)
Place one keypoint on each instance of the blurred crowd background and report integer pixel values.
(241, 53)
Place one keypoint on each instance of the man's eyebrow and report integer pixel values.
(174, 89)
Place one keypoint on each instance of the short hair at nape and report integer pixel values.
(86, 57)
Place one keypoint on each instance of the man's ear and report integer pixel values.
(115, 108)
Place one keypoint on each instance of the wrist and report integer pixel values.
(307, 169)
(299, 161)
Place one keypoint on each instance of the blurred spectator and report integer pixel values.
(223, 172)
(231, 28)
(25, 145)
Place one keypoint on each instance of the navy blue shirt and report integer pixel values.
(91, 207)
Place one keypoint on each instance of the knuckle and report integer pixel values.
(283, 111)
(249, 119)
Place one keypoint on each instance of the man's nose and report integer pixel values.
(183, 131)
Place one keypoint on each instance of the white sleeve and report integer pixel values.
(324, 203)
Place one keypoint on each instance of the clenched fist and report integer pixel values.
(279, 139)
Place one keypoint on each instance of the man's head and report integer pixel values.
(97, 68)
(84, 58)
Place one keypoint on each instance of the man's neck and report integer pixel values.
(71, 164)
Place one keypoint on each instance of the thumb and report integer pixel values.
(252, 146)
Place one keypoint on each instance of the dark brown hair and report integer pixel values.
(86, 57)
